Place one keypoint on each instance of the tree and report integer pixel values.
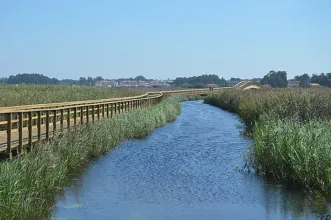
(304, 80)
(31, 78)
(322, 79)
(140, 78)
(199, 81)
(83, 81)
(275, 79)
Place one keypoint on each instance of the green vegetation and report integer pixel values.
(199, 81)
(291, 130)
(38, 94)
(275, 79)
(29, 182)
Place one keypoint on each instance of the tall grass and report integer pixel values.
(38, 94)
(29, 182)
(291, 129)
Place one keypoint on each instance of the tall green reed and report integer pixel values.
(29, 182)
(291, 130)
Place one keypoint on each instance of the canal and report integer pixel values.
(188, 169)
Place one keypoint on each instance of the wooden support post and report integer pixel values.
(47, 125)
(75, 116)
(82, 115)
(92, 113)
(9, 127)
(61, 119)
(68, 118)
(87, 114)
(103, 110)
(111, 109)
(119, 107)
(39, 125)
(98, 112)
(30, 122)
(54, 121)
(107, 110)
(20, 132)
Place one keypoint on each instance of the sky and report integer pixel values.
(164, 39)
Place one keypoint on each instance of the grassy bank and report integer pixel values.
(29, 182)
(38, 94)
(291, 129)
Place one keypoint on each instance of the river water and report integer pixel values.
(187, 169)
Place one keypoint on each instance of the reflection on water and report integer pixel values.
(185, 170)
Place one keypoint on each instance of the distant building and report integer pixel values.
(293, 84)
(105, 84)
(315, 85)
(212, 85)
(128, 83)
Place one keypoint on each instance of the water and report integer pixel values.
(184, 170)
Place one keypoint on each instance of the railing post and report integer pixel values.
(30, 122)
(75, 116)
(20, 132)
(61, 119)
(9, 127)
(98, 112)
(54, 121)
(47, 125)
(39, 125)
(68, 118)
(81, 115)
(92, 113)
(87, 114)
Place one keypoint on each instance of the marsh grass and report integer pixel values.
(30, 181)
(291, 129)
(39, 94)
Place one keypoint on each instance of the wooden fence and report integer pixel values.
(22, 126)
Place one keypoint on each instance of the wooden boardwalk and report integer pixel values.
(22, 126)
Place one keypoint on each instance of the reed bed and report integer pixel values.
(291, 129)
(30, 181)
(39, 94)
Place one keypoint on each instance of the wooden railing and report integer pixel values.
(22, 126)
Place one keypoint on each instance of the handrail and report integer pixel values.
(22, 126)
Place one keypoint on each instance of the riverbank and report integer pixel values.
(291, 130)
(29, 182)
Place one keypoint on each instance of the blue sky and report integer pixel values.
(164, 39)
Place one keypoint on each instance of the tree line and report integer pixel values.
(35, 78)
(199, 81)
(278, 79)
